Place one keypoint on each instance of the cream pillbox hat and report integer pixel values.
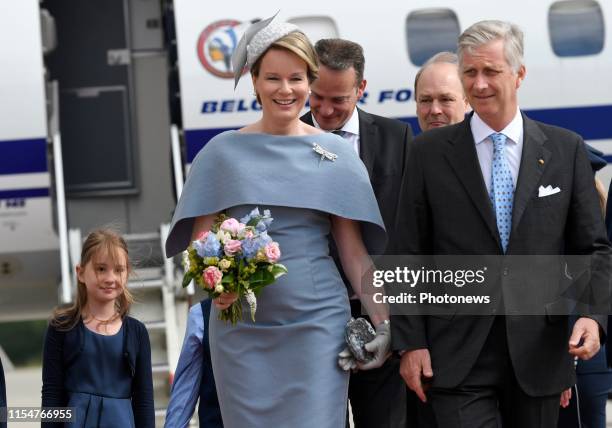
(254, 42)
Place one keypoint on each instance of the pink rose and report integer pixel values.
(232, 246)
(230, 225)
(202, 236)
(212, 276)
(273, 252)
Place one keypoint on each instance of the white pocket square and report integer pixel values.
(547, 191)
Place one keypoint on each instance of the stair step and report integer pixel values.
(160, 368)
(148, 283)
(155, 325)
(153, 272)
(145, 248)
(146, 236)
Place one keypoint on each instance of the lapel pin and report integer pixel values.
(541, 161)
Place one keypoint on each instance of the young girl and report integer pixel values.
(96, 358)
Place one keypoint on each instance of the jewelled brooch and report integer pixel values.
(325, 154)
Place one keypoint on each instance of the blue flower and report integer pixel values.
(248, 217)
(209, 248)
(250, 247)
(263, 239)
(264, 222)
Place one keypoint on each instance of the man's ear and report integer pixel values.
(468, 107)
(520, 74)
(361, 88)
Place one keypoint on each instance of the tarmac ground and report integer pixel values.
(24, 388)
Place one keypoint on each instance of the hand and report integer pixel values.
(346, 360)
(225, 300)
(566, 396)
(380, 346)
(584, 341)
(415, 365)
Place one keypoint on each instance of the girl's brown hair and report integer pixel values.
(99, 242)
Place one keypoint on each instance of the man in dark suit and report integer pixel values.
(459, 198)
(377, 396)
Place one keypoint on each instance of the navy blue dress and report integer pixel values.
(99, 384)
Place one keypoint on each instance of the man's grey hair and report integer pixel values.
(340, 54)
(440, 57)
(484, 32)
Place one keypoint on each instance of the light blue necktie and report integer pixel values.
(502, 189)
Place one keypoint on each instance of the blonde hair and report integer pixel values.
(484, 32)
(295, 42)
(99, 242)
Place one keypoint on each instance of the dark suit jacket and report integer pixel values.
(384, 145)
(62, 347)
(209, 413)
(445, 209)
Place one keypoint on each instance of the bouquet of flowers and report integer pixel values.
(234, 257)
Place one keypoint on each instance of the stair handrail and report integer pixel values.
(60, 197)
(177, 162)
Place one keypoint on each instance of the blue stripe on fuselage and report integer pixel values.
(591, 122)
(24, 193)
(23, 156)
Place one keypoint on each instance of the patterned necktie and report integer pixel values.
(339, 132)
(502, 189)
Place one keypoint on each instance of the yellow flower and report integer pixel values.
(211, 261)
(261, 255)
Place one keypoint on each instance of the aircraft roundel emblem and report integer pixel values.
(216, 45)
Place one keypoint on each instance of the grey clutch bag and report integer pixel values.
(357, 333)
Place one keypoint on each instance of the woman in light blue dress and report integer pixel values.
(283, 370)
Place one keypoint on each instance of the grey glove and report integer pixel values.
(346, 360)
(380, 347)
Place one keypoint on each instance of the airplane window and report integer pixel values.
(429, 31)
(576, 27)
(317, 27)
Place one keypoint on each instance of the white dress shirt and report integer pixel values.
(484, 146)
(350, 128)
